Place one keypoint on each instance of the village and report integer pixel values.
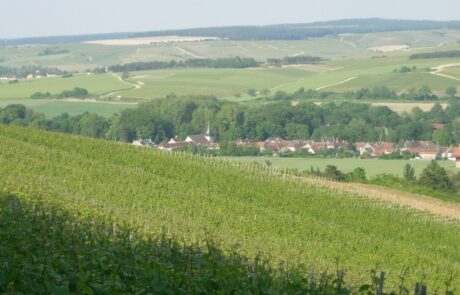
(276, 146)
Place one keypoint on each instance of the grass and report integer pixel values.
(373, 166)
(95, 84)
(192, 198)
(56, 108)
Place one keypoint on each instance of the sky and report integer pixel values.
(31, 18)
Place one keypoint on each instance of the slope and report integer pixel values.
(259, 210)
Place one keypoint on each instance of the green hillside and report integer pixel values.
(242, 207)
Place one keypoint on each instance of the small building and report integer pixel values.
(166, 146)
(385, 148)
(427, 150)
(314, 148)
(175, 139)
(143, 143)
(364, 148)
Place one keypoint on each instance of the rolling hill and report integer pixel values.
(246, 209)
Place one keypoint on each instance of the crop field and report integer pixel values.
(86, 56)
(373, 167)
(95, 84)
(350, 65)
(261, 211)
(218, 82)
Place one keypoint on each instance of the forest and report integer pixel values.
(271, 32)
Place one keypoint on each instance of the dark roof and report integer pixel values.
(200, 139)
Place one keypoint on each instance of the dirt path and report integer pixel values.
(420, 203)
(188, 52)
(338, 83)
(437, 71)
(98, 101)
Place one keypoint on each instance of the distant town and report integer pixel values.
(276, 146)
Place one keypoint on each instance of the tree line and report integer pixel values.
(294, 60)
(437, 54)
(424, 93)
(76, 92)
(24, 71)
(231, 62)
(165, 118)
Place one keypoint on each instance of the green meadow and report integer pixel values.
(373, 167)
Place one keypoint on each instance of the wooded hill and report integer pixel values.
(270, 32)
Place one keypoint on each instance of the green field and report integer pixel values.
(192, 198)
(350, 65)
(373, 167)
(95, 84)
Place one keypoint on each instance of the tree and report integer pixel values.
(252, 92)
(358, 175)
(409, 173)
(265, 92)
(443, 137)
(425, 92)
(451, 91)
(333, 173)
(125, 75)
(435, 177)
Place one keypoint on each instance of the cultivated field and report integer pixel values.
(245, 208)
(350, 65)
(151, 40)
(373, 167)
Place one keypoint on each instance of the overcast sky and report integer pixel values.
(25, 18)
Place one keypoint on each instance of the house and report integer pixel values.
(336, 144)
(201, 140)
(384, 148)
(364, 148)
(276, 144)
(454, 155)
(429, 154)
(314, 147)
(143, 143)
(427, 150)
(175, 139)
(166, 146)
(245, 142)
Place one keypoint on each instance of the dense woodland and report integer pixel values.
(271, 32)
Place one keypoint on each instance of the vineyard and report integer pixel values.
(88, 216)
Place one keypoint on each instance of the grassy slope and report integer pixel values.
(282, 218)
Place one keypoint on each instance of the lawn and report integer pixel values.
(373, 167)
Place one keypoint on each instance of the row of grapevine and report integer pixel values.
(249, 208)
